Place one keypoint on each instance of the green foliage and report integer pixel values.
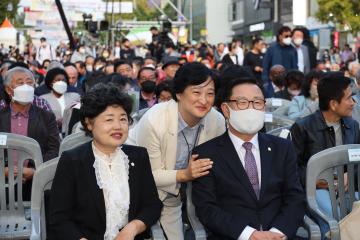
(342, 12)
(4, 9)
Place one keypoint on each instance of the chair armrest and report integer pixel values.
(312, 228)
(35, 225)
(157, 232)
(333, 223)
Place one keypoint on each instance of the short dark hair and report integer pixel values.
(81, 64)
(294, 77)
(309, 78)
(125, 40)
(299, 29)
(118, 63)
(163, 86)
(331, 87)
(146, 68)
(282, 30)
(256, 40)
(194, 73)
(98, 98)
(228, 88)
(52, 73)
(42, 39)
(67, 64)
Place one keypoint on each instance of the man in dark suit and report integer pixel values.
(253, 189)
(20, 116)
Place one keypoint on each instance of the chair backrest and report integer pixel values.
(282, 132)
(42, 181)
(73, 140)
(274, 103)
(15, 148)
(273, 121)
(329, 164)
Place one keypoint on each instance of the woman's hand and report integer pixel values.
(131, 229)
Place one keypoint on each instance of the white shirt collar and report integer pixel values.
(238, 142)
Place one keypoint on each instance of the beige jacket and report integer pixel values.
(157, 132)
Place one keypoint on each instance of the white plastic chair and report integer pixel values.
(14, 223)
(325, 165)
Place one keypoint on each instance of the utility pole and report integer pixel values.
(191, 19)
(179, 7)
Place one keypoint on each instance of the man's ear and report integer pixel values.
(333, 105)
(225, 110)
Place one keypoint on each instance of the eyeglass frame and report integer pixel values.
(248, 103)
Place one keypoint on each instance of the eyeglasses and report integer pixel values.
(243, 103)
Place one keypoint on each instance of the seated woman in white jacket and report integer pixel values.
(59, 99)
(308, 102)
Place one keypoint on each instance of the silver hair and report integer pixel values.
(357, 76)
(10, 74)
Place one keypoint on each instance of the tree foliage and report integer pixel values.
(342, 12)
(4, 9)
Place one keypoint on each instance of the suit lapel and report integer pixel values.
(132, 181)
(96, 192)
(33, 122)
(5, 124)
(231, 157)
(266, 155)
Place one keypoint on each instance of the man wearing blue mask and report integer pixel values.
(21, 116)
(253, 189)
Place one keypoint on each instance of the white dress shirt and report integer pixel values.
(301, 63)
(240, 150)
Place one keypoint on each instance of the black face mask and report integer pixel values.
(148, 86)
(278, 79)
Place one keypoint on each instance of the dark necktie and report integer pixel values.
(251, 169)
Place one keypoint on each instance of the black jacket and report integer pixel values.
(311, 135)
(41, 127)
(77, 207)
(225, 201)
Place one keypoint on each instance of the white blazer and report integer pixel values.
(157, 131)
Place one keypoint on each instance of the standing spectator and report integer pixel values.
(170, 51)
(254, 58)
(188, 53)
(231, 57)
(124, 68)
(303, 59)
(45, 51)
(347, 55)
(81, 68)
(24, 118)
(127, 53)
(79, 54)
(164, 92)
(117, 50)
(239, 51)
(219, 53)
(311, 47)
(280, 52)
(170, 131)
(89, 63)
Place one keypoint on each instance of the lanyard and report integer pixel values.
(195, 141)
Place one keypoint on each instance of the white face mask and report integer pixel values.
(82, 50)
(89, 68)
(294, 92)
(298, 41)
(287, 41)
(248, 121)
(263, 50)
(60, 87)
(23, 94)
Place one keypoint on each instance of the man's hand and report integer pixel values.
(266, 235)
(196, 168)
